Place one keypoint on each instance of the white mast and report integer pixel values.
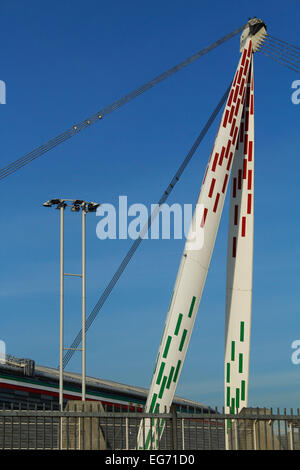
(197, 254)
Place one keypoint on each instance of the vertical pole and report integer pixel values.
(83, 304)
(61, 318)
(255, 422)
(291, 436)
(236, 427)
(126, 433)
(174, 427)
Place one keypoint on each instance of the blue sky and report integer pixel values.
(65, 60)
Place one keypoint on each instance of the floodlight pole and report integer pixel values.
(85, 208)
(83, 305)
(61, 316)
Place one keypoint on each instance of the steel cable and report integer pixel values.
(107, 291)
(292, 46)
(282, 52)
(294, 55)
(280, 56)
(29, 157)
(262, 51)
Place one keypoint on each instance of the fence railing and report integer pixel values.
(89, 428)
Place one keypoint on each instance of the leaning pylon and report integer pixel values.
(239, 263)
(233, 151)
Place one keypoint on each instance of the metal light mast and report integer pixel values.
(76, 205)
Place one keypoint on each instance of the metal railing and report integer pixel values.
(92, 427)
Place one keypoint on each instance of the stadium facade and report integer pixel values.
(22, 382)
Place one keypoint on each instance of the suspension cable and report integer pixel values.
(287, 52)
(107, 291)
(284, 42)
(282, 53)
(281, 56)
(278, 60)
(29, 157)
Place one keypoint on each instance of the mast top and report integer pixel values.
(255, 29)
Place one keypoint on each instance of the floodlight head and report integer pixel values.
(92, 206)
(55, 201)
(75, 208)
(61, 204)
(52, 202)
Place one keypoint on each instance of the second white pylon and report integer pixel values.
(233, 152)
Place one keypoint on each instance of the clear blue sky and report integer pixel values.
(65, 60)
